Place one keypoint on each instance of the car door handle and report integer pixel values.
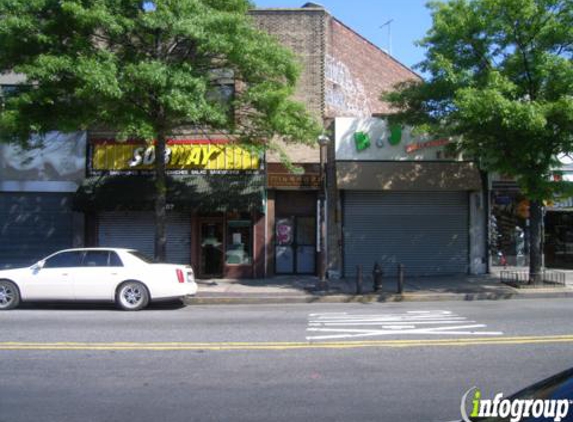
(113, 273)
(65, 274)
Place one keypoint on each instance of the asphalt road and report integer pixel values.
(338, 362)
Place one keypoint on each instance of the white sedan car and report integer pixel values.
(123, 276)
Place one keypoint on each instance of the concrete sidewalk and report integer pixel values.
(302, 289)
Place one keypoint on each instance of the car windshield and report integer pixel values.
(142, 256)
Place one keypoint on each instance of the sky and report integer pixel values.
(410, 22)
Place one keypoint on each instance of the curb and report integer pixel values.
(372, 298)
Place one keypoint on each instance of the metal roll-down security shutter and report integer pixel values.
(33, 225)
(136, 230)
(426, 231)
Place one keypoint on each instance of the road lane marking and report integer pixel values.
(341, 326)
(405, 329)
(246, 346)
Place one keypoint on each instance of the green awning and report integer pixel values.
(202, 193)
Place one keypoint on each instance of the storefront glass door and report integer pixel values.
(212, 249)
(296, 245)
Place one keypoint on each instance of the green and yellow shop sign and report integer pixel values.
(181, 157)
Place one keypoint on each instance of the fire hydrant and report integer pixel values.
(377, 274)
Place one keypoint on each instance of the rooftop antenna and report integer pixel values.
(389, 25)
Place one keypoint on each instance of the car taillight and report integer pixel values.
(180, 276)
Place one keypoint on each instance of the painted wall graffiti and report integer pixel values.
(55, 157)
(344, 93)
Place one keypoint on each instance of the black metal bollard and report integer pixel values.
(359, 279)
(377, 274)
(400, 279)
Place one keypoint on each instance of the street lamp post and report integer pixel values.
(323, 142)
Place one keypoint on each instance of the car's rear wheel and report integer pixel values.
(9, 295)
(132, 296)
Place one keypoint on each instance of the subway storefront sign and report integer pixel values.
(181, 156)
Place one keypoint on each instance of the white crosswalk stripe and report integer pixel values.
(336, 326)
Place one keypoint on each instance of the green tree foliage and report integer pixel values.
(500, 82)
(146, 70)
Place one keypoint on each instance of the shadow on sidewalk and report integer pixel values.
(307, 285)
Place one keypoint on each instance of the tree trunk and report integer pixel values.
(160, 199)
(535, 241)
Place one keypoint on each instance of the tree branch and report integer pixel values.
(522, 48)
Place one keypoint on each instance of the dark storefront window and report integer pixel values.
(559, 239)
(239, 242)
(211, 248)
(306, 245)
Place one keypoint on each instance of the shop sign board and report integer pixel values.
(286, 180)
(182, 157)
(373, 139)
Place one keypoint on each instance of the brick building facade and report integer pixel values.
(342, 75)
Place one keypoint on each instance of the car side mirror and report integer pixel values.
(38, 266)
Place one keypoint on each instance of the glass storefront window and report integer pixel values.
(239, 242)
(306, 231)
(212, 248)
(509, 229)
(559, 239)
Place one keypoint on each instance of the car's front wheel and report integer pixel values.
(9, 295)
(132, 296)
